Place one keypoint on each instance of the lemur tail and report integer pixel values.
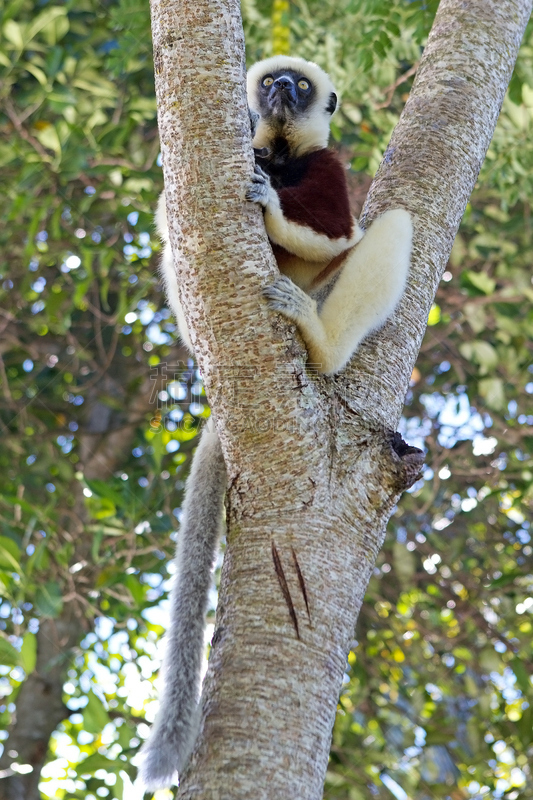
(176, 725)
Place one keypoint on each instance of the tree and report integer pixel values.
(344, 465)
(436, 694)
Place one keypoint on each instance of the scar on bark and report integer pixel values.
(282, 580)
(409, 460)
(301, 581)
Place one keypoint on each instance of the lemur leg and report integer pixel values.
(365, 294)
(176, 725)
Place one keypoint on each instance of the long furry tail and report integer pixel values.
(176, 725)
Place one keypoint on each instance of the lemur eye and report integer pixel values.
(303, 85)
(268, 81)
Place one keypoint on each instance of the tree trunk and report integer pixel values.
(314, 465)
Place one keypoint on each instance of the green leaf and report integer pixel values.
(404, 562)
(515, 89)
(95, 716)
(522, 675)
(49, 600)
(476, 316)
(481, 353)
(505, 580)
(103, 489)
(11, 9)
(478, 280)
(525, 726)
(37, 73)
(117, 767)
(46, 22)
(9, 554)
(39, 559)
(49, 138)
(493, 392)
(490, 660)
(393, 28)
(462, 653)
(137, 589)
(28, 652)
(101, 507)
(94, 762)
(125, 735)
(14, 33)
(9, 655)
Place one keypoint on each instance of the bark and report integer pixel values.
(430, 167)
(314, 465)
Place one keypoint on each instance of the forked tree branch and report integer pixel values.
(314, 465)
(431, 166)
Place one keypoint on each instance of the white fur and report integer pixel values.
(366, 292)
(300, 239)
(176, 725)
(309, 131)
(368, 286)
(168, 273)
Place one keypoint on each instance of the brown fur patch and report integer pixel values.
(281, 255)
(320, 201)
(334, 265)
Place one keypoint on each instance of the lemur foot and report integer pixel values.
(287, 298)
(259, 189)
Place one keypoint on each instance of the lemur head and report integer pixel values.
(295, 100)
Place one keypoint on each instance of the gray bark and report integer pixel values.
(430, 167)
(314, 466)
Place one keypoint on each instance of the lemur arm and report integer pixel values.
(372, 278)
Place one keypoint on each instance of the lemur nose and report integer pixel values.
(283, 83)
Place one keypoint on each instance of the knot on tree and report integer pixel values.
(407, 461)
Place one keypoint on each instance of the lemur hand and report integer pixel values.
(254, 119)
(259, 189)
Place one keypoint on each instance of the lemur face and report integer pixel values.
(294, 99)
(285, 91)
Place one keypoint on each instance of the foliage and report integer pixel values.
(96, 400)
(99, 413)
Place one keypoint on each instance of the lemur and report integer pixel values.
(338, 284)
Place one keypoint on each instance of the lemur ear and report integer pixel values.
(332, 103)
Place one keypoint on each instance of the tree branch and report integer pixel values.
(430, 167)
